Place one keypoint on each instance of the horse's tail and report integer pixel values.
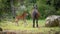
(38, 15)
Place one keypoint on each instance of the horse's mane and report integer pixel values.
(23, 13)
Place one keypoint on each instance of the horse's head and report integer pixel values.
(25, 13)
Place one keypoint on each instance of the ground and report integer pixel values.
(28, 29)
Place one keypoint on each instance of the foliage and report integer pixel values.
(43, 7)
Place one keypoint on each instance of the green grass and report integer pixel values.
(8, 25)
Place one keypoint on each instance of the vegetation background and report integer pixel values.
(11, 8)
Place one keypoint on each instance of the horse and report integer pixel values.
(22, 17)
(35, 16)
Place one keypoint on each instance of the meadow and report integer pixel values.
(9, 25)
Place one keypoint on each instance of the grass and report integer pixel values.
(8, 25)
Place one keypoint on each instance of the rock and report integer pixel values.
(52, 21)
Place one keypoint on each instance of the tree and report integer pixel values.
(56, 4)
(48, 2)
(13, 8)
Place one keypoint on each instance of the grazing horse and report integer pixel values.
(23, 17)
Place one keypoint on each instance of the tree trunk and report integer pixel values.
(13, 9)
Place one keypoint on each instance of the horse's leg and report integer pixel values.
(25, 23)
(37, 22)
(16, 21)
(33, 22)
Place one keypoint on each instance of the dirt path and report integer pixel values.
(19, 32)
(26, 32)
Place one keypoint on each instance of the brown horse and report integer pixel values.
(23, 17)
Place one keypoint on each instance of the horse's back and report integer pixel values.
(35, 14)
